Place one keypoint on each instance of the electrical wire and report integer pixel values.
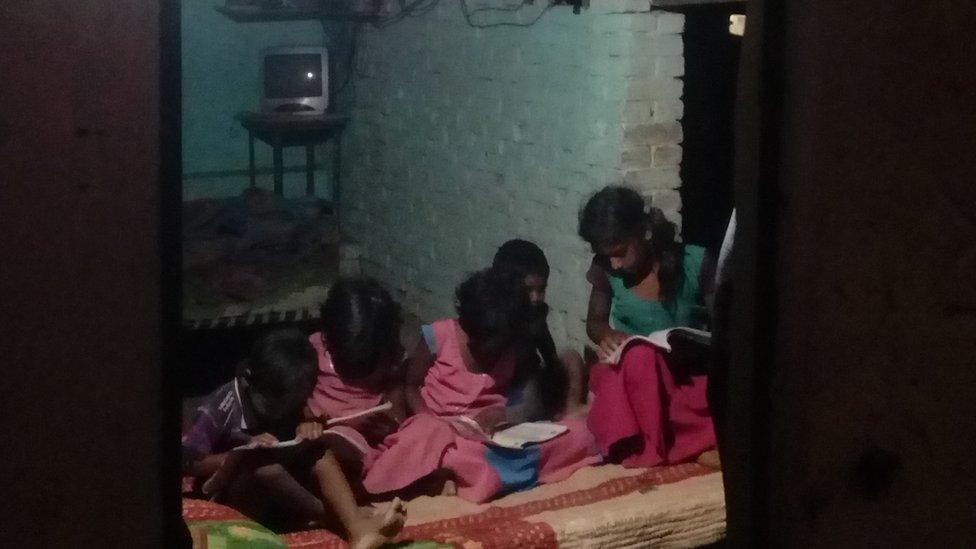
(468, 13)
(424, 10)
(406, 10)
(351, 58)
(417, 8)
(515, 7)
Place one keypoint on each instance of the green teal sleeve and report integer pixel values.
(694, 257)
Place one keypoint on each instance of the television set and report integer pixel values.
(295, 80)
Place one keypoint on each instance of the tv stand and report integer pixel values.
(280, 130)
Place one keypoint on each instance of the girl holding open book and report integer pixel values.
(357, 400)
(645, 410)
(457, 379)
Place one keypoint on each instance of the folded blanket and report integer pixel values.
(244, 248)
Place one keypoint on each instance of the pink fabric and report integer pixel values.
(643, 397)
(427, 441)
(561, 457)
(451, 389)
(476, 479)
(334, 398)
(413, 452)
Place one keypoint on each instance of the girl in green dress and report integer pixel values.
(646, 409)
(643, 279)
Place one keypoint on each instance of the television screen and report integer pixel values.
(292, 75)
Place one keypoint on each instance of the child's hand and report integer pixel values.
(612, 339)
(490, 418)
(309, 430)
(264, 439)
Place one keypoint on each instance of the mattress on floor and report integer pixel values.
(607, 506)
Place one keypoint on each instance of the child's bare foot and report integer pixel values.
(710, 458)
(443, 483)
(371, 532)
(438, 483)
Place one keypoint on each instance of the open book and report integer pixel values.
(666, 340)
(331, 422)
(514, 437)
(220, 478)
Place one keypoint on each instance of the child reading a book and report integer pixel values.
(359, 354)
(545, 385)
(261, 405)
(643, 280)
(234, 441)
(359, 363)
(463, 368)
(643, 412)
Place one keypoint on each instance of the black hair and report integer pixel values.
(616, 213)
(361, 323)
(281, 371)
(493, 310)
(521, 258)
(611, 215)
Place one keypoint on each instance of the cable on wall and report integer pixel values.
(468, 13)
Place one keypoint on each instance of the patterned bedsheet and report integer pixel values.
(607, 506)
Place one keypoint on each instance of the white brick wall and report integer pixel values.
(463, 138)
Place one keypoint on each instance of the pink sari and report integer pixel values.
(427, 441)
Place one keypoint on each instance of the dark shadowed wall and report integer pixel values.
(80, 275)
(851, 405)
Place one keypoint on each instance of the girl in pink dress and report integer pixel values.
(463, 367)
(359, 355)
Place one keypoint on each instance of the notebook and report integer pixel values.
(514, 437)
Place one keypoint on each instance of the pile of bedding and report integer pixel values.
(255, 252)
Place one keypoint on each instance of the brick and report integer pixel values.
(596, 155)
(604, 25)
(653, 134)
(644, 22)
(667, 110)
(639, 157)
(654, 88)
(614, 46)
(674, 216)
(669, 200)
(641, 66)
(671, 44)
(619, 6)
(667, 155)
(638, 112)
(670, 23)
(669, 66)
(648, 180)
